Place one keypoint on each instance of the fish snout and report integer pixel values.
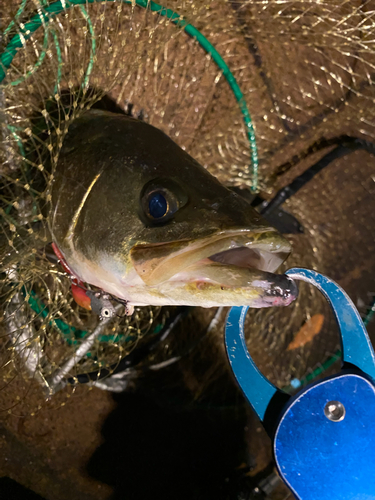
(282, 291)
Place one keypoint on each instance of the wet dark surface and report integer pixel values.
(153, 451)
(159, 441)
(14, 491)
(144, 448)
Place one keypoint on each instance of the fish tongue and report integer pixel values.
(274, 289)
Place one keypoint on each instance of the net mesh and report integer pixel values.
(306, 70)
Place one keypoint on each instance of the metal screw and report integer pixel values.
(335, 411)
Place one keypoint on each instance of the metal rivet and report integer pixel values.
(335, 411)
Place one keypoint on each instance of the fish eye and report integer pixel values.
(157, 205)
(160, 202)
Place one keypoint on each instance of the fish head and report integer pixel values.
(137, 216)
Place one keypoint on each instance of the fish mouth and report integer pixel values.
(232, 260)
(250, 258)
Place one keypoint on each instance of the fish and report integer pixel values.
(136, 216)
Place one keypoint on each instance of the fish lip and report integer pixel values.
(156, 263)
(283, 291)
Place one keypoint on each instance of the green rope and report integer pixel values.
(57, 7)
(37, 64)
(85, 82)
(71, 334)
(13, 131)
(17, 15)
(59, 62)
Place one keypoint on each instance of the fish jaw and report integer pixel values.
(231, 268)
(215, 284)
(253, 289)
(199, 285)
(264, 250)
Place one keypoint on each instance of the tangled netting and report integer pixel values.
(306, 71)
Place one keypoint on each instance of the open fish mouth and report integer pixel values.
(230, 262)
(251, 258)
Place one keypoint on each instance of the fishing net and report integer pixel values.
(257, 92)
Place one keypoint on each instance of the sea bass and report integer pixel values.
(135, 215)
